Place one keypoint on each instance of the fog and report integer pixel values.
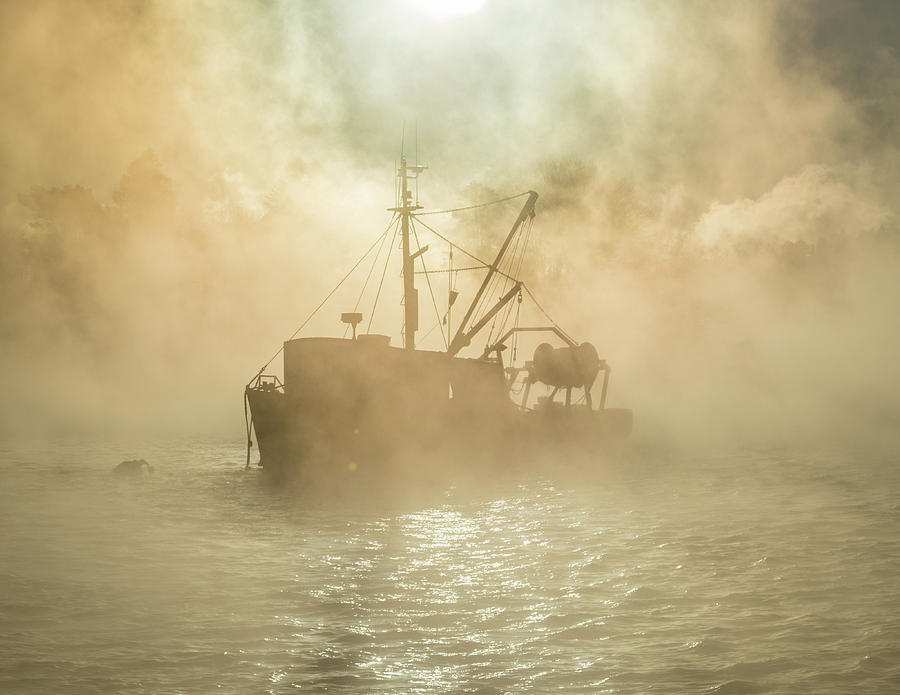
(183, 182)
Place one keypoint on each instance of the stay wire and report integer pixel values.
(322, 303)
(383, 273)
(544, 312)
(472, 207)
(368, 277)
(451, 270)
(518, 272)
(508, 309)
(509, 260)
(437, 312)
(453, 244)
(516, 258)
(515, 345)
(525, 237)
(489, 290)
(248, 422)
(431, 330)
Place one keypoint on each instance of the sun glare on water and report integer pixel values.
(448, 8)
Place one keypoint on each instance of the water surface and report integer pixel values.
(744, 572)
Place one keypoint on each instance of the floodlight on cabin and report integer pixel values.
(353, 318)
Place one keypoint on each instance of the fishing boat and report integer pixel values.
(357, 406)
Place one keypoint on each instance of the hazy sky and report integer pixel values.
(728, 96)
(718, 185)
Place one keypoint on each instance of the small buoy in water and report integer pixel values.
(136, 467)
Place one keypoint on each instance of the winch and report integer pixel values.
(574, 366)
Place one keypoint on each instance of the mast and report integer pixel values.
(410, 293)
(410, 296)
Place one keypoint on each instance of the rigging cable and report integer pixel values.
(525, 239)
(451, 270)
(460, 248)
(430, 331)
(509, 260)
(454, 245)
(387, 259)
(368, 277)
(519, 249)
(322, 303)
(473, 207)
(515, 345)
(451, 288)
(451, 285)
(248, 417)
(248, 422)
(512, 261)
(490, 288)
(428, 280)
(544, 312)
(468, 253)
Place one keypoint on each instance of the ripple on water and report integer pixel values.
(741, 574)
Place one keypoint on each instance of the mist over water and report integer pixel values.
(183, 182)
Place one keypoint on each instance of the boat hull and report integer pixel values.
(298, 444)
(357, 408)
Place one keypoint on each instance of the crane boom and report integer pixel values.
(461, 339)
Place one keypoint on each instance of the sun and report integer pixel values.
(448, 8)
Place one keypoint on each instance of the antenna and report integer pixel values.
(406, 208)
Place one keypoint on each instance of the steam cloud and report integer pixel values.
(182, 182)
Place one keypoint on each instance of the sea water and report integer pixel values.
(737, 572)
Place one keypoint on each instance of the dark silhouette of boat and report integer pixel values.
(357, 407)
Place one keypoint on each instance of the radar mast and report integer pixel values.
(410, 293)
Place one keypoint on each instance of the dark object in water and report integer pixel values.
(349, 404)
(135, 467)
